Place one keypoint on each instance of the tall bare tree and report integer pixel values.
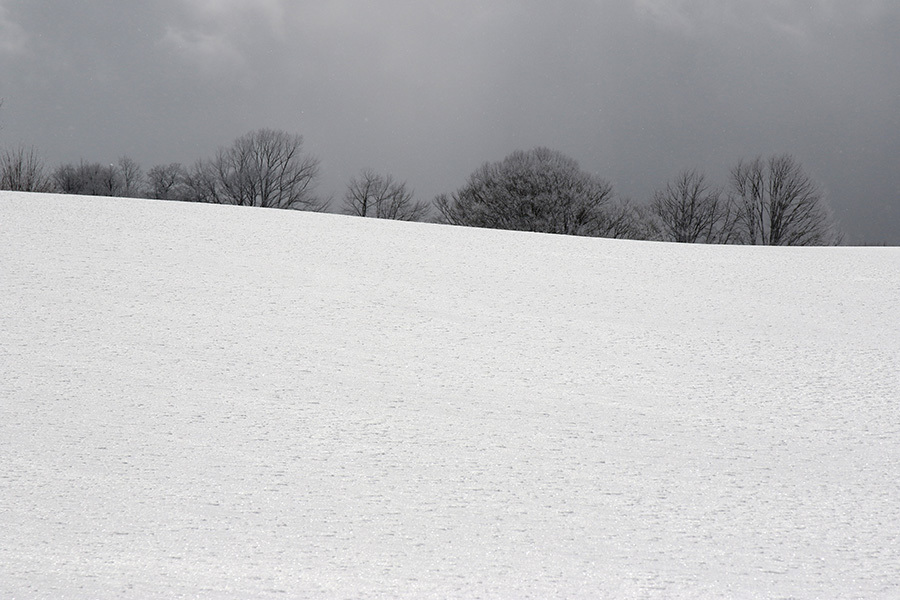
(538, 190)
(264, 168)
(22, 169)
(778, 204)
(689, 210)
(379, 196)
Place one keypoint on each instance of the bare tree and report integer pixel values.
(83, 178)
(22, 169)
(689, 210)
(538, 190)
(166, 182)
(66, 179)
(778, 204)
(201, 184)
(374, 195)
(627, 220)
(90, 179)
(132, 178)
(264, 168)
(110, 181)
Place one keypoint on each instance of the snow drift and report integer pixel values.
(215, 401)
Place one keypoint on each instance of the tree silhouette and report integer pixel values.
(379, 196)
(778, 204)
(538, 190)
(689, 210)
(265, 168)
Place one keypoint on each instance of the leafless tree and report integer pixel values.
(201, 184)
(778, 204)
(66, 179)
(264, 168)
(166, 182)
(92, 179)
(111, 183)
(689, 210)
(379, 196)
(22, 169)
(131, 177)
(538, 190)
(627, 220)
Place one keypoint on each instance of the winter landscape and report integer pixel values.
(211, 401)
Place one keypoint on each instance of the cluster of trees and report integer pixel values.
(264, 168)
(767, 201)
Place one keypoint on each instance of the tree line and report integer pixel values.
(766, 200)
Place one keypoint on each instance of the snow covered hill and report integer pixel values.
(212, 401)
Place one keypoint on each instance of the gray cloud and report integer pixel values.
(634, 89)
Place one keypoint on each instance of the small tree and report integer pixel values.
(65, 179)
(22, 170)
(91, 179)
(111, 183)
(265, 168)
(538, 190)
(373, 195)
(627, 220)
(131, 177)
(166, 182)
(778, 204)
(201, 184)
(689, 210)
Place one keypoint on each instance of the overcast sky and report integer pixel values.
(635, 90)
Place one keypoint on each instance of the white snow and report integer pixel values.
(210, 401)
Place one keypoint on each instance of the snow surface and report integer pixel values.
(211, 401)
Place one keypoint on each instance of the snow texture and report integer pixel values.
(212, 402)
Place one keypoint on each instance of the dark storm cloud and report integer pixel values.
(634, 89)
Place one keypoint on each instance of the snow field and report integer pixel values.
(214, 401)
